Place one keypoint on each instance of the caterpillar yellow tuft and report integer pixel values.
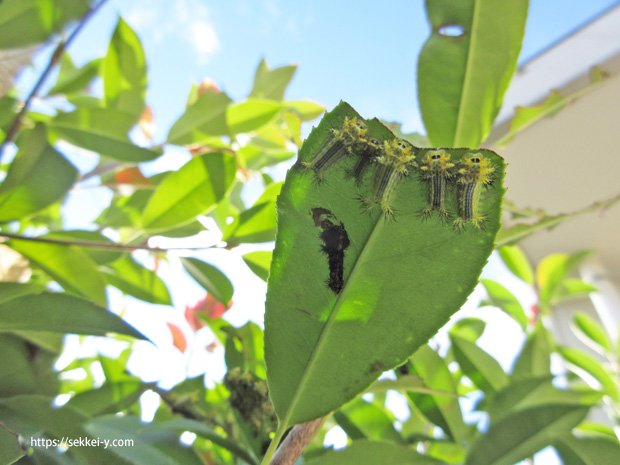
(395, 161)
(436, 169)
(474, 172)
(341, 142)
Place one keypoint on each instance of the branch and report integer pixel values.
(296, 441)
(55, 58)
(96, 245)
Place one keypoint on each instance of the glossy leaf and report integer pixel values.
(373, 453)
(531, 393)
(98, 255)
(67, 265)
(152, 444)
(271, 83)
(245, 349)
(552, 271)
(109, 398)
(38, 177)
(72, 79)
(193, 190)
(204, 118)
(10, 449)
(10, 291)
(523, 433)
(259, 262)
(478, 365)
(251, 115)
(441, 406)
(364, 420)
(30, 415)
(205, 431)
(28, 22)
(401, 281)
(136, 280)
(60, 313)
(257, 223)
(102, 130)
(503, 299)
(535, 357)
(466, 65)
(591, 370)
(517, 263)
(306, 110)
(209, 277)
(595, 450)
(124, 72)
(469, 328)
(592, 331)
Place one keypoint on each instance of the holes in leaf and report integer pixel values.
(451, 30)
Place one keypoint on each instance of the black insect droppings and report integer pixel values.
(335, 241)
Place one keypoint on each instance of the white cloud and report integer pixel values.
(185, 20)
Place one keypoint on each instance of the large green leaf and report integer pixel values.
(211, 278)
(592, 331)
(102, 130)
(595, 450)
(38, 177)
(109, 398)
(136, 280)
(27, 22)
(401, 279)
(517, 262)
(191, 191)
(61, 313)
(478, 365)
(591, 370)
(203, 119)
(67, 265)
(364, 420)
(124, 72)
(373, 453)
(466, 65)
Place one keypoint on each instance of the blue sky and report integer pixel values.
(363, 54)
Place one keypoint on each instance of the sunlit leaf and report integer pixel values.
(38, 177)
(503, 299)
(306, 109)
(535, 357)
(591, 370)
(203, 119)
(136, 280)
(251, 115)
(259, 262)
(478, 365)
(124, 72)
(401, 280)
(466, 65)
(193, 190)
(595, 450)
(67, 265)
(209, 277)
(517, 262)
(72, 79)
(592, 331)
(271, 83)
(60, 313)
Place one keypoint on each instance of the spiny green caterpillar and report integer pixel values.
(370, 149)
(394, 163)
(474, 172)
(341, 142)
(436, 169)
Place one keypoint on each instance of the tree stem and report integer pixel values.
(55, 58)
(294, 443)
(94, 244)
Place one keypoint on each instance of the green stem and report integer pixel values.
(275, 442)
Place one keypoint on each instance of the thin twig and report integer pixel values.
(96, 245)
(296, 441)
(55, 58)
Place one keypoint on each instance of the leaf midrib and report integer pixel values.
(457, 142)
(328, 324)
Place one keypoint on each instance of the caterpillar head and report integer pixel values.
(475, 167)
(354, 127)
(437, 161)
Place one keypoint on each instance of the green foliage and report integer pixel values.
(462, 78)
(306, 323)
(402, 277)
